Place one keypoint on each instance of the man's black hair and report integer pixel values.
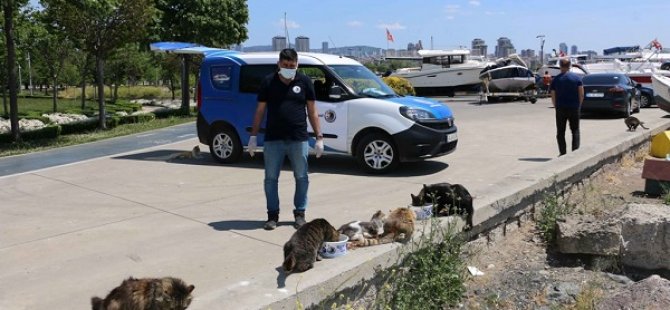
(288, 54)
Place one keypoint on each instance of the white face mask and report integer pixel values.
(288, 74)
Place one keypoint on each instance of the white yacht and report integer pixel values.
(509, 74)
(442, 72)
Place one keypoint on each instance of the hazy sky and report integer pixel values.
(589, 24)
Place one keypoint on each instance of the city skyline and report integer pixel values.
(452, 24)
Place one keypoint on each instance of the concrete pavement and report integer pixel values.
(71, 232)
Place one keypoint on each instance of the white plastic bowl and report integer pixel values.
(424, 212)
(334, 249)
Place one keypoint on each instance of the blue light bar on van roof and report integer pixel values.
(185, 48)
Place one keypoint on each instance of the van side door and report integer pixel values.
(332, 113)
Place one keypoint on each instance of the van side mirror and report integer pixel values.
(335, 92)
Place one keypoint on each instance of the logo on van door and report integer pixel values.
(329, 116)
(296, 89)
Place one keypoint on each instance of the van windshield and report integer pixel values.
(363, 81)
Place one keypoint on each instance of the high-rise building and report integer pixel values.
(504, 47)
(410, 46)
(324, 47)
(479, 47)
(302, 44)
(573, 50)
(278, 43)
(563, 48)
(528, 53)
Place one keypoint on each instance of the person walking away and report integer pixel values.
(546, 80)
(567, 95)
(289, 98)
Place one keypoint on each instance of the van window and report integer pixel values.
(221, 77)
(251, 77)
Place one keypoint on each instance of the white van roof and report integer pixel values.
(303, 58)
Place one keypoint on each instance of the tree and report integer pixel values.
(214, 23)
(9, 9)
(126, 65)
(100, 26)
(53, 47)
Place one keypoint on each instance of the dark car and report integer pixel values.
(646, 97)
(611, 92)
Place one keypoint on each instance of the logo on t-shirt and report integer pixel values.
(296, 89)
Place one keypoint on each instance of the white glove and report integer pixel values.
(318, 146)
(251, 147)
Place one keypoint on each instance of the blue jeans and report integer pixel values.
(273, 155)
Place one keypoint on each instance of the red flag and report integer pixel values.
(657, 45)
(389, 36)
(562, 54)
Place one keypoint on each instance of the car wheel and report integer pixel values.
(225, 145)
(377, 154)
(645, 101)
(628, 112)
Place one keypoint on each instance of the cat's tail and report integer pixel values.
(96, 302)
(289, 264)
(372, 241)
(642, 125)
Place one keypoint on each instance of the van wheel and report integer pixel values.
(225, 145)
(377, 154)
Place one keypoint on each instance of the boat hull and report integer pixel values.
(442, 80)
(661, 86)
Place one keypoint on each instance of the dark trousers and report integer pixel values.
(564, 115)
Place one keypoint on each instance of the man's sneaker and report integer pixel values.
(271, 223)
(299, 219)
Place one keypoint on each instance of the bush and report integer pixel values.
(400, 85)
(137, 118)
(79, 127)
(48, 132)
(431, 275)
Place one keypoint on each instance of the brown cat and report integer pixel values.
(448, 199)
(301, 251)
(147, 294)
(632, 122)
(398, 226)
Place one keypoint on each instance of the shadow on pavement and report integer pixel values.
(243, 225)
(330, 164)
(281, 277)
(535, 159)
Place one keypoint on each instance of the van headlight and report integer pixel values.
(416, 114)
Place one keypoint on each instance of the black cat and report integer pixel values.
(447, 199)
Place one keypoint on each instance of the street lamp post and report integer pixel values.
(30, 75)
(541, 37)
(20, 82)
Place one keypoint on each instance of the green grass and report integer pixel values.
(553, 207)
(73, 139)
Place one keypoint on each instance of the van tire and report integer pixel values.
(225, 146)
(377, 154)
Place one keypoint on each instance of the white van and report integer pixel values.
(359, 114)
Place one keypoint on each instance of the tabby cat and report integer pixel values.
(301, 251)
(147, 294)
